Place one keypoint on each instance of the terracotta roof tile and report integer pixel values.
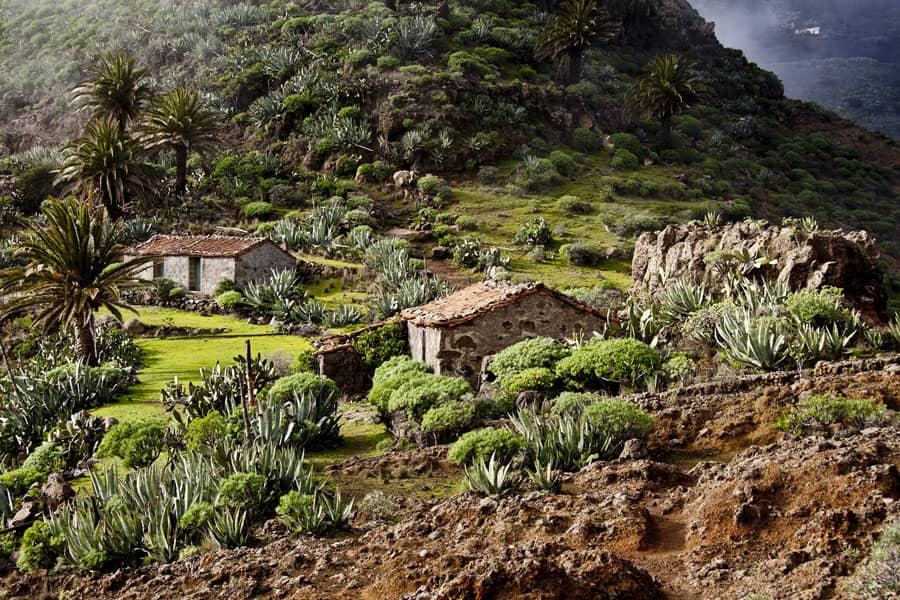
(188, 245)
(471, 302)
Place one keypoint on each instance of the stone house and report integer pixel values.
(454, 334)
(199, 263)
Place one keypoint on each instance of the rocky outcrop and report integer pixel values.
(805, 259)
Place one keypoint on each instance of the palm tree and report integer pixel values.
(115, 89)
(71, 271)
(181, 122)
(667, 88)
(103, 164)
(579, 25)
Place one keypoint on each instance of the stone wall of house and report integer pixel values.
(177, 268)
(460, 350)
(343, 366)
(259, 262)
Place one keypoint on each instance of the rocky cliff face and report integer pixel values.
(805, 259)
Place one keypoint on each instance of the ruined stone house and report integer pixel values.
(199, 263)
(454, 334)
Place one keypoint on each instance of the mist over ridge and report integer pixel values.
(842, 54)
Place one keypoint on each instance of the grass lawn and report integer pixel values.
(182, 357)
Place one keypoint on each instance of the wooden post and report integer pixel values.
(248, 399)
(9, 373)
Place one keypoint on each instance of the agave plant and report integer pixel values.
(822, 343)
(544, 476)
(229, 528)
(750, 343)
(288, 232)
(412, 37)
(893, 330)
(338, 510)
(491, 478)
(680, 299)
(343, 315)
(6, 506)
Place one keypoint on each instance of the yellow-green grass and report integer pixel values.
(329, 262)
(182, 357)
(331, 293)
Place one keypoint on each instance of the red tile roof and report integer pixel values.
(469, 303)
(190, 245)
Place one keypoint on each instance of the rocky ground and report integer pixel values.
(721, 506)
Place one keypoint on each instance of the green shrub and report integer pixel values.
(466, 223)
(582, 254)
(19, 480)
(535, 232)
(563, 162)
(206, 431)
(429, 184)
(138, 443)
(624, 160)
(38, 549)
(397, 366)
(467, 62)
(229, 300)
(387, 63)
(417, 395)
(300, 384)
(451, 416)
(245, 491)
(626, 141)
(572, 403)
(618, 419)
(197, 516)
(376, 346)
(361, 58)
(573, 205)
(224, 285)
(257, 210)
(820, 413)
(820, 307)
(481, 444)
(46, 458)
(585, 140)
(540, 379)
(625, 361)
(176, 293)
(527, 354)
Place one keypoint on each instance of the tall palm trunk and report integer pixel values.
(572, 65)
(85, 344)
(180, 169)
(665, 131)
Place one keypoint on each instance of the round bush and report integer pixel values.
(138, 443)
(452, 416)
(540, 379)
(573, 205)
(626, 141)
(377, 346)
(229, 300)
(527, 354)
(585, 140)
(299, 384)
(819, 307)
(582, 254)
(623, 160)
(38, 550)
(397, 366)
(624, 361)
(206, 431)
(562, 161)
(618, 419)
(572, 403)
(243, 490)
(418, 395)
(257, 210)
(502, 443)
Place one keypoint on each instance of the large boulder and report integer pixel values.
(805, 259)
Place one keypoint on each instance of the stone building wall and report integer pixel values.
(259, 262)
(344, 366)
(460, 350)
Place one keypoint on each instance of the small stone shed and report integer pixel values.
(454, 334)
(199, 263)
